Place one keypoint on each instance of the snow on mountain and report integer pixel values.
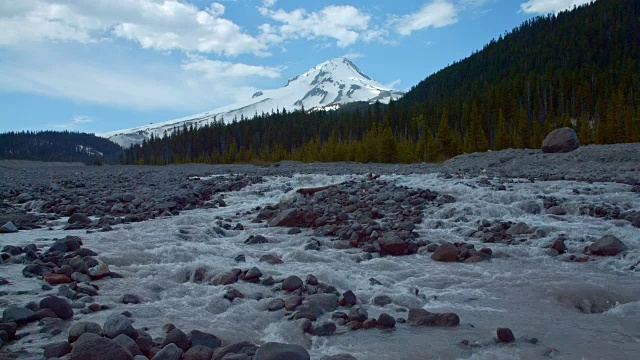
(324, 87)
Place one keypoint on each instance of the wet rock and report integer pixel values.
(392, 244)
(275, 305)
(130, 299)
(243, 347)
(386, 321)
(288, 217)
(8, 227)
(79, 218)
(169, 352)
(32, 270)
(446, 252)
(560, 141)
(358, 314)
(381, 300)
(271, 259)
(421, 317)
(293, 302)
(57, 349)
(225, 279)
(45, 313)
(339, 357)
(199, 338)
(319, 304)
(10, 328)
(18, 315)
(505, 335)
(279, 351)
(292, 283)
(311, 280)
(99, 348)
(99, 271)
(559, 246)
(240, 258)
(556, 210)
(324, 329)
(252, 274)
(83, 327)
(607, 245)
(198, 352)
(256, 239)
(178, 337)
(128, 344)
(348, 298)
(117, 324)
(294, 231)
(232, 294)
(56, 279)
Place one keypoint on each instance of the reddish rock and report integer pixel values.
(474, 259)
(607, 245)
(446, 252)
(392, 244)
(560, 140)
(505, 335)
(559, 246)
(421, 317)
(369, 323)
(55, 279)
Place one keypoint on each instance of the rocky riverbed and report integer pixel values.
(512, 254)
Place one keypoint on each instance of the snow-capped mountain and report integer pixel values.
(324, 87)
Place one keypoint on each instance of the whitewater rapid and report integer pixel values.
(522, 287)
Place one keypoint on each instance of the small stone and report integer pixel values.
(18, 315)
(381, 300)
(348, 299)
(178, 337)
(421, 317)
(279, 351)
(232, 294)
(117, 324)
(130, 299)
(169, 352)
(271, 259)
(199, 338)
(386, 321)
(505, 335)
(358, 314)
(325, 329)
(57, 349)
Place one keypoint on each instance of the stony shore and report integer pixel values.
(369, 213)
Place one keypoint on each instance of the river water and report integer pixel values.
(522, 288)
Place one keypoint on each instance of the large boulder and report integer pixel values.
(117, 324)
(279, 351)
(392, 244)
(169, 352)
(99, 348)
(288, 217)
(421, 317)
(18, 315)
(58, 305)
(607, 245)
(560, 141)
(446, 252)
(204, 339)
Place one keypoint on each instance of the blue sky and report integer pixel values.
(102, 65)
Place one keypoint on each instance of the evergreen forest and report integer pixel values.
(578, 68)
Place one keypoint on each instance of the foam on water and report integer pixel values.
(522, 287)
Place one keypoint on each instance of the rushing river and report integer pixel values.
(522, 287)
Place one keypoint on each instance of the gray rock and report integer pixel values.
(446, 252)
(318, 304)
(58, 305)
(386, 321)
(288, 217)
(392, 244)
(257, 239)
(243, 347)
(128, 344)
(83, 327)
(79, 218)
(381, 300)
(169, 352)
(57, 349)
(117, 324)
(8, 227)
(348, 298)
(292, 283)
(198, 352)
(178, 337)
(560, 141)
(358, 314)
(275, 305)
(339, 357)
(607, 245)
(18, 315)
(99, 348)
(131, 299)
(324, 329)
(279, 351)
(421, 317)
(204, 339)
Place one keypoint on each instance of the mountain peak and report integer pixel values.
(326, 86)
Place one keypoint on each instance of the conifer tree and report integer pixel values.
(502, 137)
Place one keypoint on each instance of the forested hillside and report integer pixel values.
(580, 68)
(58, 146)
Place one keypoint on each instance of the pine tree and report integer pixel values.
(444, 138)
(502, 137)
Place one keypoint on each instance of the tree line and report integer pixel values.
(578, 68)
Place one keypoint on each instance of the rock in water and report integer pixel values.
(292, 283)
(279, 351)
(117, 324)
(505, 335)
(9, 227)
(446, 252)
(560, 140)
(607, 245)
(421, 317)
(18, 315)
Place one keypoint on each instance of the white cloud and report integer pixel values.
(344, 23)
(59, 72)
(76, 122)
(435, 14)
(550, 6)
(269, 3)
(215, 69)
(393, 84)
(156, 24)
(353, 56)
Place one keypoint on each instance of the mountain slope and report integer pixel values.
(326, 86)
(58, 146)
